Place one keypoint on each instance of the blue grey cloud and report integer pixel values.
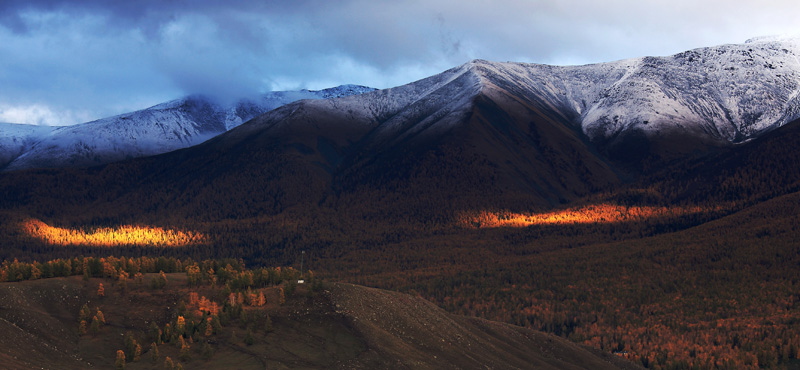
(74, 60)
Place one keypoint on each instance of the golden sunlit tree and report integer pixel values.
(180, 326)
(101, 291)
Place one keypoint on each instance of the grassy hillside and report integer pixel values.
(284, 326)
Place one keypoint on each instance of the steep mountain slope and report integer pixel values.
(482, 135)
(450, 139)
(162, 128)
(670, 105)
(745, 174)
(344, 326)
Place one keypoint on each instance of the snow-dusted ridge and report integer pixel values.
(729, 93)
(162, 128)
(722, 94)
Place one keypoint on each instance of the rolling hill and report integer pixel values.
(341, 326)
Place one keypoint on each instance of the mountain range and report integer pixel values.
(483, 135)
(665, 106)
(159, 129)
(666, 188)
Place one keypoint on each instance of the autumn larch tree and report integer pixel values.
(120, 363)
(154, 352)
(155, 332)
(184, 354)
(100, 317)
(168, 364)
(95, 327)
(209, 327)
(180, 326)
(130, 345)
(85, 314)
(261, 299)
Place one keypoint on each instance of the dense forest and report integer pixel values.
(710, 288)
(691, 264)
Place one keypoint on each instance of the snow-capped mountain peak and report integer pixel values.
(718, 95)
(729, 92)
(161, 128)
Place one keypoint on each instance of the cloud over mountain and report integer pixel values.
(105, 58)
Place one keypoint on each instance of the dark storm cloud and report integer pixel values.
(75, 60)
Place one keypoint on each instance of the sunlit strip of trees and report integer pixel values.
(107, 237)
(597, 213)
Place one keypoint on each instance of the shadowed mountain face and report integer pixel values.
(482, 135)
(459, 140)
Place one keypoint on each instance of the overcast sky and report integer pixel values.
(71, 61)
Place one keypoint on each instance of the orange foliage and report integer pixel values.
(597, 213)
(107, 237)
(202, 305)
